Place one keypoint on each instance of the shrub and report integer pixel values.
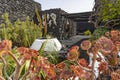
(99, 31)
(22, 33)
(87, 32)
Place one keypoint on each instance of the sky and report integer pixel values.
(70, 6)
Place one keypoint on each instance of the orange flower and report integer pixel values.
(83, 62)
(72, 55)
(85, 45)
(117, 44)
(38, 78)
(94, 50)
(115, 76)
(50, 73)
(118, 71)
(113, 61)
(65, 75)
(77, 70)
(106, 45)
(23, 50)
(60, 67)
(43, 63)
(5, 45)
(86, 75)
(74, 48)
(27, 53)
(24, 53)
(107, 34)
(115, 35)
(33, 53)
(103, 66)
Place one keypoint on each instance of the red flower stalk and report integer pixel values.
(115, 35)
(77, 70)
(83, 62)
(85, 45)
(50, 73)
(113, 61)
(23, 50)
(27, 53)
(72, 55)
(107, 34)
(60, 67)
(103, 66)
(33, 53)
(106, 45)
(43, 62)
(65, 75)
(86, 75)
(5, 45)
(115, 76)
(117, 44)
(74, 48)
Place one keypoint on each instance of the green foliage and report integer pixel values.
(107, 13)
(100, 31)
(52, 57)
(110, 10)
(22, 33)
(87, 32)
(10, 69)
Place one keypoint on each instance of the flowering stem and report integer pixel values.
(84, 68)
(17, 72)
(93, 64)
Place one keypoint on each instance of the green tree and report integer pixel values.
(107, 13)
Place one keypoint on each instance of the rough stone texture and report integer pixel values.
(18, 9)
(82, 21)
(58, 25)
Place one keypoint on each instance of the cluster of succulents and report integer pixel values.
(28, 64)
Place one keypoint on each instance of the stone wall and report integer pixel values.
(58, 25)
(82, 21)
(18, 9)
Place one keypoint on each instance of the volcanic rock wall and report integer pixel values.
(58, 25)
(18, 9)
